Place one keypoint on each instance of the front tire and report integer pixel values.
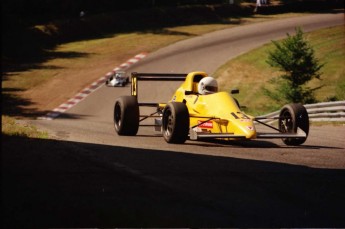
(175, 122)
(292, 117)
(126, 115)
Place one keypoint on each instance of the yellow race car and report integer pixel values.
(198, 111)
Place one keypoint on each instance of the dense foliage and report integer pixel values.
(40, 11)
(30, 27)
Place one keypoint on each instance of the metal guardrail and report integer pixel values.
(326, 111)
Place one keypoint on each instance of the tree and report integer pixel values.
(295, 57)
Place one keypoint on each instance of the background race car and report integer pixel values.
(118, 79)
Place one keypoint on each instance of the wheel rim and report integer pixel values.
(117, 115)
(168, 123)
(286, 122)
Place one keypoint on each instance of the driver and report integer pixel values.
(208, 85)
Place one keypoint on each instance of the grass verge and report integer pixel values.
(10, 127)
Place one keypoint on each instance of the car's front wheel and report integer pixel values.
(175, 122)
(126, 115)
(292, 117)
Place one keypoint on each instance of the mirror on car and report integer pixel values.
(235, 91)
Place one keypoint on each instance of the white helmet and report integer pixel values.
(207, 85)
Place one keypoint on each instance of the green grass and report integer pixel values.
(11, 127)
(250, 72)
(330, 49)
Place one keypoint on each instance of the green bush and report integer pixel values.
(295, 58)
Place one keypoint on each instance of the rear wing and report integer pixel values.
(135, 77)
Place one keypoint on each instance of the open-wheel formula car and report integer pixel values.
(118, 79)
(194, 116)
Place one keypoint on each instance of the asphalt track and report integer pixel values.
(249, 183)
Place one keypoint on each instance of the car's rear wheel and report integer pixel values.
(175, 122)
(292, 117)
(126, 115)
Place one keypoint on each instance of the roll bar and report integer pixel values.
(136, 76)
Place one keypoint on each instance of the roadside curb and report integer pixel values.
(88, 90)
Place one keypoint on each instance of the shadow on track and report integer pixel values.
(71, 184)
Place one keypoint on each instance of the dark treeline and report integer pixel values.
(41, 11)
(61, 22)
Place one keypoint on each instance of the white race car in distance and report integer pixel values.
(117, 79)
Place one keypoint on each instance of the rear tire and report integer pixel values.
(292, 117)
(175, 122)
(126, 115)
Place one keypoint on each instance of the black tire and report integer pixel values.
(292, 117)
(126, 115)
(175, 122)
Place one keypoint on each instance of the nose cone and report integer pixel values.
(245, 127)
